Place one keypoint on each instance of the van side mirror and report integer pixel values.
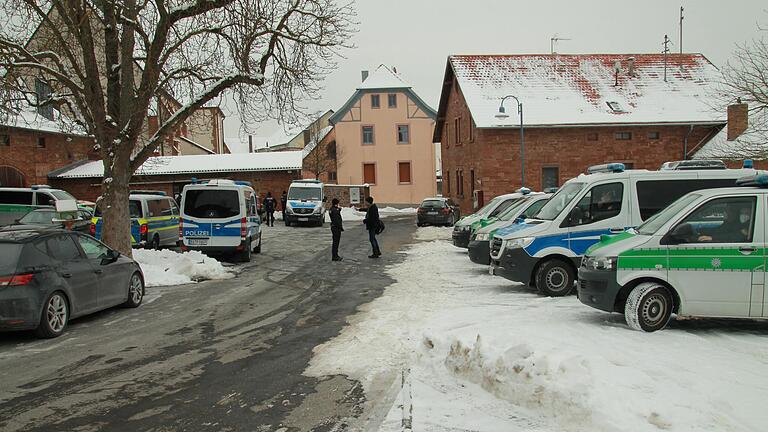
(679, 234)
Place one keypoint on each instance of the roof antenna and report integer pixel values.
(553, 40)
(681, 29)
(666, 53)
(616, 71)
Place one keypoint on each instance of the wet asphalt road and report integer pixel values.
(218, 355)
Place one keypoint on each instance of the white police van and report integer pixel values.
(546, 251)
(306, 203)
(220, 216)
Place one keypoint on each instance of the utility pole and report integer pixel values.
(681, 29)
(666, 53)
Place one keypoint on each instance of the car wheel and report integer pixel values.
(55, 316)
(155, 243)
(419, 224)
(245, 255)
(555, 278)
(649, 307)
(287, 223)
(258, 247)
(135, 291)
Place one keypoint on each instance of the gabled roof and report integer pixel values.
(575, 90)
(752, 144)
(194, 164)
(381, 80)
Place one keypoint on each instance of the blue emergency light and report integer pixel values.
(615, 167)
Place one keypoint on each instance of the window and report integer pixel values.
(211, 203)
(457, 130)
(447, 182)
(43, 199)
(533, 209)
(722, 220)
(623, 136)
(93, 248)
(43, 91)
(330, 150)
(158, 207)
(600, 203)
(615, 107)
(403, 134)
(471, 180)
(375, 102)
(471, 130)
(550, 177)
(5, 140)
(40, 142)
(368, 135)
(369, 173)
(62, 248)
(404, 172)
(653, 135)
(654, 195)
(332, 176)
(460, 182)
(501, 208)
(592, 136)
(392, 100)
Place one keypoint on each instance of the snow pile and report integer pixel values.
(166, 267)
(388, 211)
(495, 356)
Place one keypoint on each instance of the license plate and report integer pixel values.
(197, 242)
(432, 213)
(303, 219)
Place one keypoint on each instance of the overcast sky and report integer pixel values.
(416, 36)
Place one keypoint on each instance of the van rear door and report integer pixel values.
(211, 217)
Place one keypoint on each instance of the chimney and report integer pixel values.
(365, 75)
(738, 119)
(250, 143)
(631, 66)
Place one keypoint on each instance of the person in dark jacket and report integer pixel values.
(283, 203)
(372, 222)
(269, 207)
(336, 229)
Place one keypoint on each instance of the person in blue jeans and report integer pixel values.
(372, 222)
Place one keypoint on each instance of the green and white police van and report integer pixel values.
(703, 256)
(16, 202)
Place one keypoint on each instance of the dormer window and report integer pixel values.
(615, 107)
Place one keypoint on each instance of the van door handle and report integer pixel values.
(617, 230)
(746, 250)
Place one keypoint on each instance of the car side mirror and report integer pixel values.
(110, 257)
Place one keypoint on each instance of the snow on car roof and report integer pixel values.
(561, 90)
(195, 164)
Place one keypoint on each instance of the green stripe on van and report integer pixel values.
(704, 258)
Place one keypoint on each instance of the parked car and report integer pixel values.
(437, 211)
(702, 256)
(462, 230)
(49, 277)
(16, 202)
(154, 220)
(79, 220)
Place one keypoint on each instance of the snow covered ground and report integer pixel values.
(480, 353)
(166, 267)
(352, 214)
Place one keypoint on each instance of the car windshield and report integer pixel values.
(211, 203)
(39, 217)
(134, 209)
(559, 201)
(656, 221)
(9, 257)
(513, 210)
(304, 193)
(61, 195)
(433, 204)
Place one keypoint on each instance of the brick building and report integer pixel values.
(578, 110)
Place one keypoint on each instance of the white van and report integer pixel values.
(16, 202)
(546, 251)
(220, 216)
(306, 203)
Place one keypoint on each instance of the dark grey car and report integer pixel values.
(48, 277)
(79, 220)
(437, 211)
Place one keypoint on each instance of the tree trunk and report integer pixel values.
(116, 219)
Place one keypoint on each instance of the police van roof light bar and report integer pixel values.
(758, 180)
(604, 168)
(700, 164)
(523, 190)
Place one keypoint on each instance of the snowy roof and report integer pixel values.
(31, 120)
(312, 144)
(750, 145)
(197, 164)
(562, 90)
(383, 78)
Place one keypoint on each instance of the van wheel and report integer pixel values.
(55, 316)
(155, 243)
(135, 291)
(287, 223)
(258, 247)
(648, 307)
(245, 254)
(555, 278)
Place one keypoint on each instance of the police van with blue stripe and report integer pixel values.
(306, 203)
(545, 251)
(154, 220)
(220, 216)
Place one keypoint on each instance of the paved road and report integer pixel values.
(218, 355)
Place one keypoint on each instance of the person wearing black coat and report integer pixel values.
(283, 202)
(372, 222)
(336, 229)
(269, 207)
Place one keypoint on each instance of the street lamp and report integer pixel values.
(501, 115)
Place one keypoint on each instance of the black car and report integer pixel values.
(437, 211)
(49, 276)
(79, 220)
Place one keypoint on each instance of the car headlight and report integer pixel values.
(521, 242)
(481, 237)
(600, 263)
(318, 210)
(289, 210)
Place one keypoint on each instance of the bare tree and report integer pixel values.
(107, 65)
(320, 155)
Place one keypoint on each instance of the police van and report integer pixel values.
(702, 256)
(546, 251)
(220, 216)
(154, 220)
(306, 203)
(463, 229)
(16, 202)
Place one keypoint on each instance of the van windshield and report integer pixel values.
(211, 203)
(134, 209)
(509, 213)
(484, 210)
(656, 221)
(304, 193)
(559, 201)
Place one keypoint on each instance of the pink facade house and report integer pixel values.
(384, 138)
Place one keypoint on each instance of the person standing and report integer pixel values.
(336, 229)
(283, 203)
(372, 222)
(269, 207)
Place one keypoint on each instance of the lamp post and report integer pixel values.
(502, 114)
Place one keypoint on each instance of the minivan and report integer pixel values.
(154, 220)
(16, 202)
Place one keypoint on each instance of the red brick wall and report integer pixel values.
(494, 154)
(34, 162)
